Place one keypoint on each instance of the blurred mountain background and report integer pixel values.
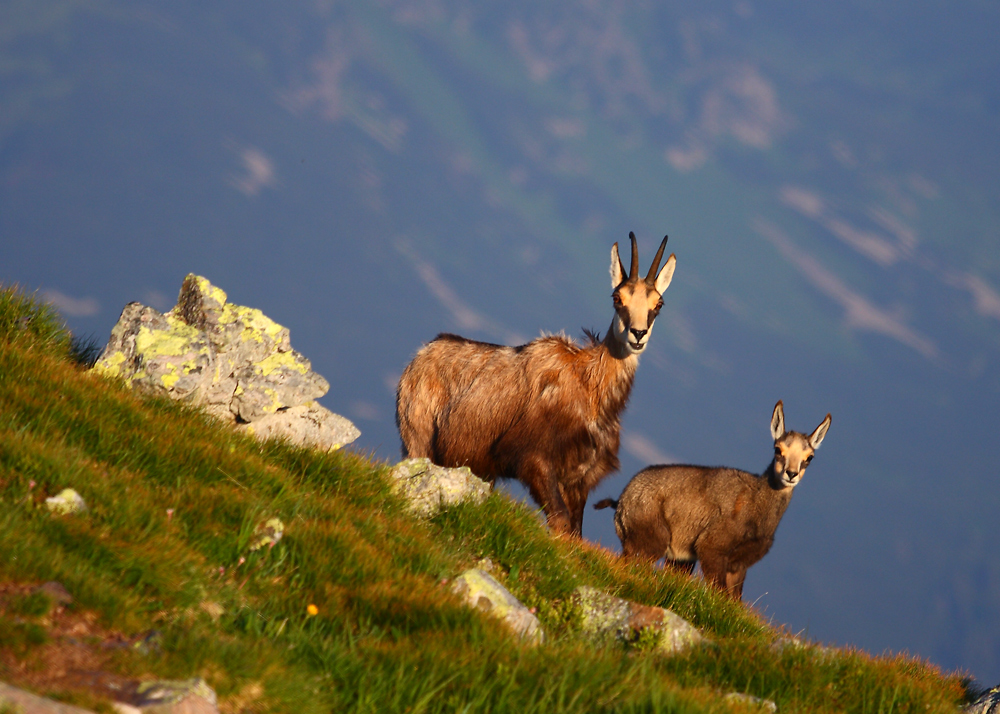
(372, 173)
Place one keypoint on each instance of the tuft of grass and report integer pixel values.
(27, 320)
(35, 604)
(175, 498)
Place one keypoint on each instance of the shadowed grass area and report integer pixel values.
(175, 501)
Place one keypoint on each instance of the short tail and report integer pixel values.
(606, 503)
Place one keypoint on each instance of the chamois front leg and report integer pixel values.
(576, 502)
(681, 566)
(720, 570)
(540, 478)
(734, 582)
(715, 566)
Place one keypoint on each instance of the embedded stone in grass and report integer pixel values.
(479, 590)
(268, 533)
(55, 592)
(16, 700)
(607, 618)
(751, 701)
(66, 502)
(189, 696)
(430, 488)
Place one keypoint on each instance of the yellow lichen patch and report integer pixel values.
(206, 288)
(173, 342)
(275, 404)
(112, 364)
(278, 360)
(256, 325)
(171, 378)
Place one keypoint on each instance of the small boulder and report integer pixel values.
(751, 702)
(66, 502)
(431, 488)
(605, 618)
(268, 533)
(21, 701)
(189, 696)
(480, 590)
(55, 592)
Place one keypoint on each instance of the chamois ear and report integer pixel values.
(666, 274)
(816, 438)
(617, 274)
(778, 421)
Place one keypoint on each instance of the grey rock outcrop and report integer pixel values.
(233, 361)
(608, 618)
(430, 488)
(480, 590)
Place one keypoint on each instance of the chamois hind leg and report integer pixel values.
(417, 429)
(648, 539)
(420, 402)
(540, 478)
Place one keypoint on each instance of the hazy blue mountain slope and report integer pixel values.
(372, 174)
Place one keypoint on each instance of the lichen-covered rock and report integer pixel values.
(430, 488)
(987, 703)
(481, 591)
(232, 360)
(66, 502)
(307, 423)
(268, 533)
(189, 696)
(607, 618)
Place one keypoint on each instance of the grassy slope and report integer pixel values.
(388, 635)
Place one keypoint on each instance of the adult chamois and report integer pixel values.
(545, 413)
(722, 517)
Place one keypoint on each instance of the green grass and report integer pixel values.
(174, 501)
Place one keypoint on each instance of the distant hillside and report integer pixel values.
(373, 173)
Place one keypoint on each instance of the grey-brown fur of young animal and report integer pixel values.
(722, 517)
(545, 413)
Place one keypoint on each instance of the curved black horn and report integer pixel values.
(633, 271)
(654, 268)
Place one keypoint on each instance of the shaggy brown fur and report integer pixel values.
(722, 517)
(545, 413)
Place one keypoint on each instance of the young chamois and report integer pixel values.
(545, 413)
(722, 517)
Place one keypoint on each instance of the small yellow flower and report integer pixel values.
(312, 610)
